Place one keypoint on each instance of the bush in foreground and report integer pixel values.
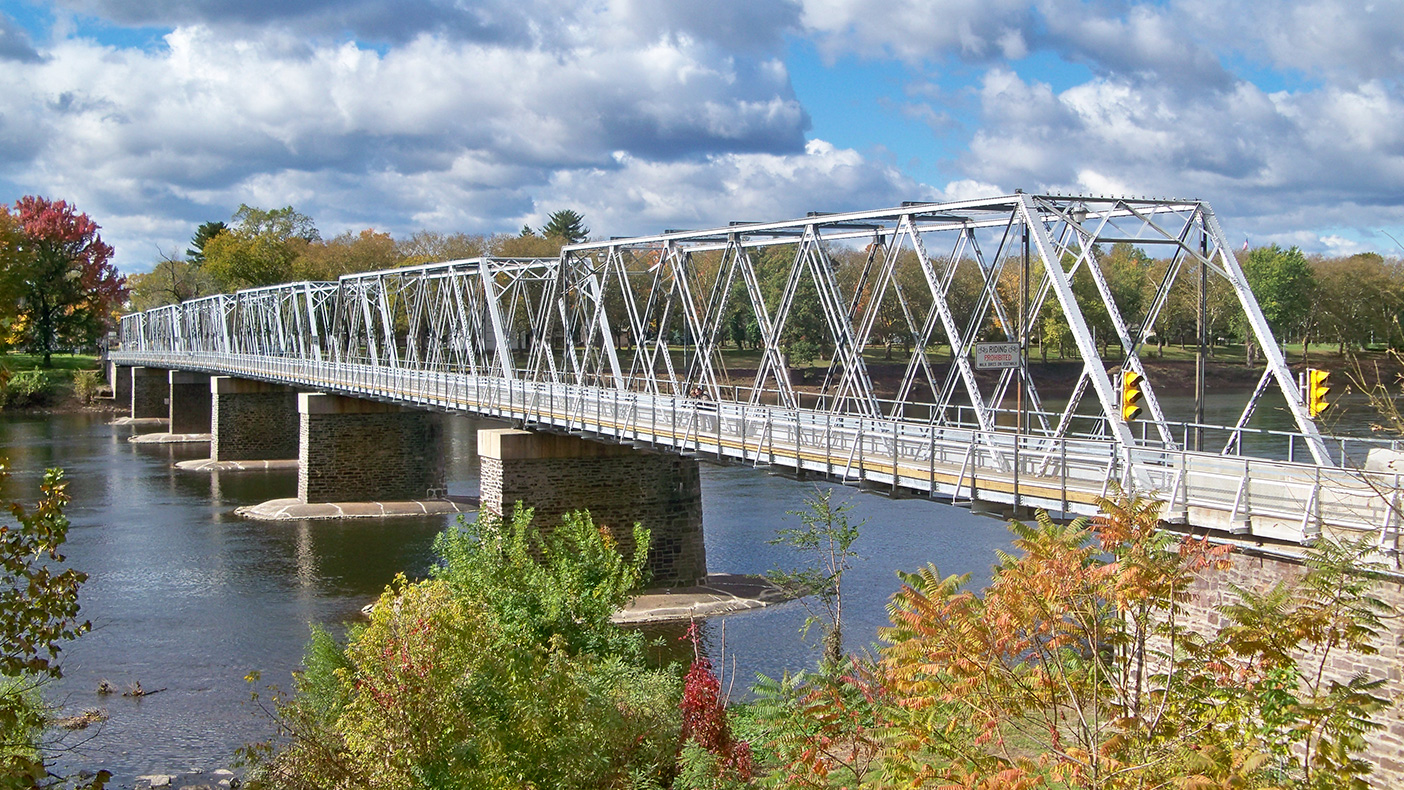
(501, 671)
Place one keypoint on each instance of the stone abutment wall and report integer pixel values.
(1258, 572)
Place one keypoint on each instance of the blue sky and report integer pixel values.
(156, 115)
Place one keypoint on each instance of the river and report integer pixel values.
(187, 598)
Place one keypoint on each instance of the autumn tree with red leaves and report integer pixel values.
(61, 274)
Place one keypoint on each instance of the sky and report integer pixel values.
(154, 116)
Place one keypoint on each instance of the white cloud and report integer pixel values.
(1270, 162)
(481, 116)
(646, 196)
(433, 130)
(916, 30)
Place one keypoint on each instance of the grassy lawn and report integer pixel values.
(62, 363)
(57, 387)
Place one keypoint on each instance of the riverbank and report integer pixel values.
(1171, 374)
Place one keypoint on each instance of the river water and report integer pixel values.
(186, 598)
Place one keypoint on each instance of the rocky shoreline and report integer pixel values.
(194, 780)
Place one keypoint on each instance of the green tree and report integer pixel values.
(825, 540)
(260, 249)
(207, 230)
(171, 281)
(38, 613)
(501, 671)
(567, 225)
(61, 270)
(1283, 284)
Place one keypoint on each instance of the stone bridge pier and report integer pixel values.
(119, 377)
(189, 402)
(150, 388)
(353, 450)
(252, 420)
(617, 484)
(1259, 572)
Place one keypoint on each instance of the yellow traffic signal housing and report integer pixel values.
(1317, 387)
(1131, 393)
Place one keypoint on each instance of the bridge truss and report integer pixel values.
(801, 318)
(659, 313)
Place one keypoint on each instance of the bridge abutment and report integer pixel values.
(189, 402)
(252, 420)
(149, 387)
(353, 450)
(618, 485)
(1258, 573)
(120, 379)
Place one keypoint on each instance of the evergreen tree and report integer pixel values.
(568, 225)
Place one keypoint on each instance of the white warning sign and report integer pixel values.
(996, 356)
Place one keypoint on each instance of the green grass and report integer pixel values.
(61, 362)
(58, 376)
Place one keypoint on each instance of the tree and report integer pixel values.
(825, 539)
(207, 230)
(61, 271)
(502, 670)
(38, 613)
(346, 254)
(431, 247)
(527, 246)
(1076, 667)
(171, 281)
(568, 225)
(1282, 282)
(261, 249)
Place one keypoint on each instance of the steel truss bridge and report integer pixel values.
(622, 340)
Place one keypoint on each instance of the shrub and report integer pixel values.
(86, 384)
(502, 671)
(38, 613)
(27, 388)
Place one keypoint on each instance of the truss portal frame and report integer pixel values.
(651, 314)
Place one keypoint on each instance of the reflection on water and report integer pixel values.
(186, 597)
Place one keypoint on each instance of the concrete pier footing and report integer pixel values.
(618, 485)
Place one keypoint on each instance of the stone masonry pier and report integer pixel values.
(150, 389)
(189, 402)
(120, 377)
(353, 450)
(1258, 572)
(618, 485)
(252, 420)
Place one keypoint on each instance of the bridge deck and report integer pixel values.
(1250, 497)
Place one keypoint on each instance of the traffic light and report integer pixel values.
(1131, 394)
(1317, 387)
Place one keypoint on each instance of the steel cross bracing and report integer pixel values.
(702, 332)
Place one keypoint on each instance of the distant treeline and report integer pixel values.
(267, 247)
